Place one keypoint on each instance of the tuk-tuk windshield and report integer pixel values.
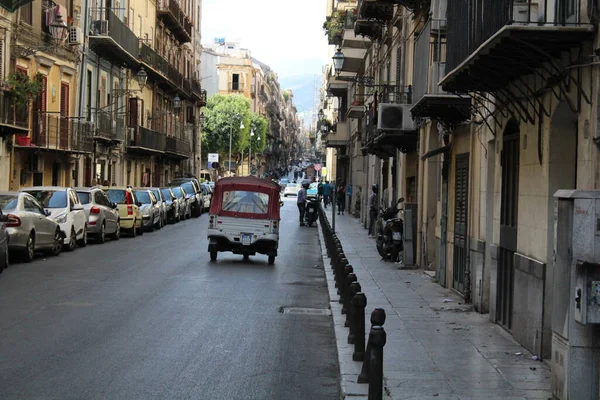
(245, 202)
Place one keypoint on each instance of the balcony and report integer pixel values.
(350, 39)
(353, 60)
(380, 10)
(109, 129)
(356, 110)
(175, 19)
(61, 134)
(429, 68)
(338, 88)
(236, 87)
(11, 120)
(339, 136)
(369, 28)
(177, 148)
(512, 39)
(146, 141)
(198, 92)
(111, 39)
(163, 72)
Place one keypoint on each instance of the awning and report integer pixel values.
(435, 152)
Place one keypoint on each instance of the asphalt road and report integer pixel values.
(153, 318)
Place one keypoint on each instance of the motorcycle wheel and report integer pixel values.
(382, 253)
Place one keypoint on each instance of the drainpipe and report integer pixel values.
(421, 207)
(469, 219)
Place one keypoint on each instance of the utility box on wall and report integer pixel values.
(587, 293)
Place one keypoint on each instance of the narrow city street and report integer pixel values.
(153, 318)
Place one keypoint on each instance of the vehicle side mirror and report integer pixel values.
(47, 213)
(139, 204)
(3, 218)
(401, 200)
(281, 203)
(114, 205)
(77, 207)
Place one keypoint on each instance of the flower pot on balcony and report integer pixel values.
(23, 140)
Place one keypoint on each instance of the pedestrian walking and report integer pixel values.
(341, 198)
(326, 193)
(349, 193)
(302, 203)
(372, 209)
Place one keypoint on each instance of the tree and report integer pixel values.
(220, 121)
(260, 125)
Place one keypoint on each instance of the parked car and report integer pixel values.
(185, 210)
(193, 193)
(28, 226)
(128, 206)
(291, 189)
(283, 182)
(171, 205)
(3, 241)
(149, 209)
(162, 204)
(66, 209)
(102, 214)
(208, 193)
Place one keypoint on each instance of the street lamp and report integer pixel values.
(59, 30)
(142, 78)
(250, 153)
(338, 61)
(176, 102)
(234, 118)
(321, 115)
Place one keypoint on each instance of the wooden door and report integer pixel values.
(64, 134)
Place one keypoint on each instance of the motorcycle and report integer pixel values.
(390, 229)
(312, 211)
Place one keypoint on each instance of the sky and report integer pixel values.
(286, 35)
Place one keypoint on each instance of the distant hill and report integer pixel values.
(303, 87)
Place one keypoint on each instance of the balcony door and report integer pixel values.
(39, 118)
(461, 214)
(567, 12)
(64, 115)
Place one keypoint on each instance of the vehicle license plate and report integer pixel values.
(397, 235)
(246, 239)
(311, 211)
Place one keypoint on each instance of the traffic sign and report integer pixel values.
(213, 157)
(317, 167)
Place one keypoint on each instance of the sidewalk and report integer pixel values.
(437, 347)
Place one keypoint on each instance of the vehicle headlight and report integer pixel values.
(61, 219)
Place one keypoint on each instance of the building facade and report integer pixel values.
(476, 119)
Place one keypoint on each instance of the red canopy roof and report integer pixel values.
(249, 184)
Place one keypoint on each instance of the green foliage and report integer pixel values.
(286, 96)
(260, 126)
(220, 121)
(23, 88)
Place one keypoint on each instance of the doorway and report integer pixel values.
(509, 163)
(461, 200)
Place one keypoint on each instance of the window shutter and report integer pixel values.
(64, 99)
(133, 112)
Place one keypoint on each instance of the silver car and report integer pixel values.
(162, 205)
(28, 226)
(171, 205)
(149, 209)
(207, 192)
(102, 214)
(185, 207)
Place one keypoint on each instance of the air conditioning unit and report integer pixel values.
(100, 27)
(75, 35)
(525, 12)
(395, 118)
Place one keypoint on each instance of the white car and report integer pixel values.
(291, 189)
(66, 210)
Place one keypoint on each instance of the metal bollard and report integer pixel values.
(334, 256)
(352, 312)
(377, 319)
(377, 338)
(343, 284)
(359, 301)
(345, 299)
(340, 274)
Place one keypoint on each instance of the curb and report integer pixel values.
(349, 369)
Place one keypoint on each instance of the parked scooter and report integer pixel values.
(390, 229)
(312, 211)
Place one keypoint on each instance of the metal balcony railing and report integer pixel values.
(58, 133)
(12, 115)
(178, 146)
(349, 19)
(176, 19)
(472, 22)
(236, 86)
(152, 58)
(106, 23)
(429, 62)
(109, 128)
(147, 139)
(395, 95)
